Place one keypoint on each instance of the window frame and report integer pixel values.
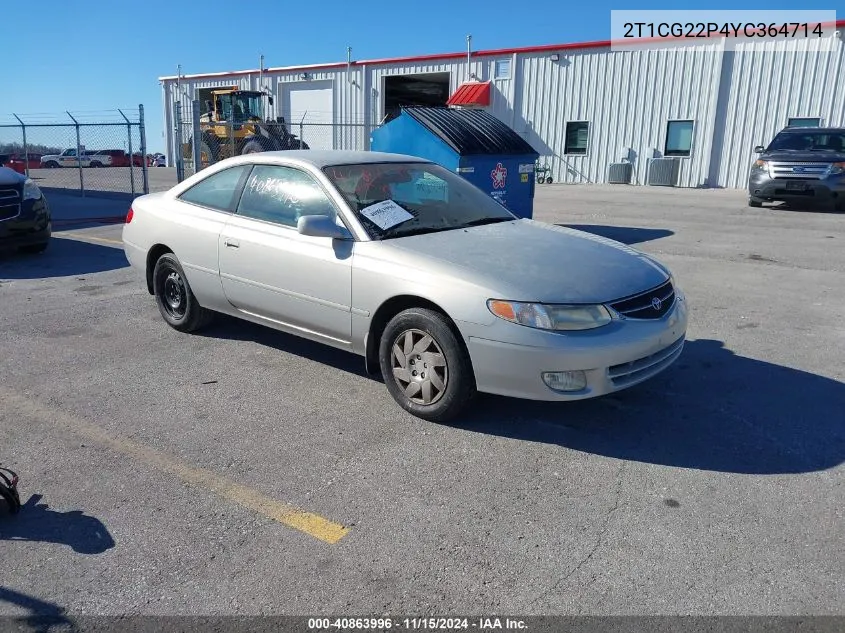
(566, 135)
(236, 192)
(496, 63)
(669, 123)
(242, 188)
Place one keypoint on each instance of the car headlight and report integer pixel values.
(760, 166)
(551, 317)
(31, 190)
(836, 169)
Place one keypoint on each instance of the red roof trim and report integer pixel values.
(544, 48)
(472, 93)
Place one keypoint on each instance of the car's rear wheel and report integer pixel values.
(176, 302)
(425, 366)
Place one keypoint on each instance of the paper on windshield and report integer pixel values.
(386, 214)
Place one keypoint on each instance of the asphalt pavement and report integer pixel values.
(244, 471)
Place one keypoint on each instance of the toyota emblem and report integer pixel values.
(656, 303)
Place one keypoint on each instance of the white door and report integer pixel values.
(311, 102)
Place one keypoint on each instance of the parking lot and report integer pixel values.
(103, 181)
(243, 471)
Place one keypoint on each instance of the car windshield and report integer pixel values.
(808, 141)
(400, 199)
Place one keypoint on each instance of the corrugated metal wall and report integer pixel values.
(735, 99)
(627, 97)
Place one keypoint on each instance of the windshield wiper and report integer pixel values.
(482, 221)
(420, 230)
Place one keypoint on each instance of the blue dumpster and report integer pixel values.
(473, 143)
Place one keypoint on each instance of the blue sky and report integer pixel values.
(100, 55)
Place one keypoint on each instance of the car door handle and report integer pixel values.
(231, 244)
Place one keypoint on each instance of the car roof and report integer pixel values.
(798, 129)
(324, 158)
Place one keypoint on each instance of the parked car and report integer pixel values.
(20, 162)
(801, 165)
(159, 160)
(439, 287)
(68, 158)
(114, 158)
(25, 220)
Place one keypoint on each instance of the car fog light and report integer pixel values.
(565, 380)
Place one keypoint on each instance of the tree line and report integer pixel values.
(32, 148)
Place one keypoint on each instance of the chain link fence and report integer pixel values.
(203, 142)
(99, 153)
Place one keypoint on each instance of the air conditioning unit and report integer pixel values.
(663, 172)
(620, 173)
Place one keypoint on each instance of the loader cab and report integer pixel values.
(237, 106)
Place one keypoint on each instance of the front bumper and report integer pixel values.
(32, 225)
(613, 357)
(829, 190)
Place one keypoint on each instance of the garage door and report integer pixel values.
(313, 102)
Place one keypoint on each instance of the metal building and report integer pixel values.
(688, 116)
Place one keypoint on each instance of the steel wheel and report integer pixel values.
(419, 367)
(175, 299)
(175, 295)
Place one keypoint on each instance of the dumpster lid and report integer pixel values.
(471, 93)
(471, 132)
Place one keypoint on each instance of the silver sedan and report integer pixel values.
(435, 284)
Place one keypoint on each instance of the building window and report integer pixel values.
(577, 137)
(804, 122)
(502, 69)
(678, 138)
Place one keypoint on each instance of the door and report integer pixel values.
(68, 158)
(311, 102)
(269, 269)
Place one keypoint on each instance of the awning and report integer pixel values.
(472, 93)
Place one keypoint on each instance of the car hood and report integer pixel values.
(804, 157)
(9, 177)
(526, 260)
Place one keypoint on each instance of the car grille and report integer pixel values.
(10, 203)
(802, 170)
(627, 374)
(652, 304)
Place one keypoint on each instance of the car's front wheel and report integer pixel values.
(425, 366)
(175, 300)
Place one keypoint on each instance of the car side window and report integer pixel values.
(216, 191)
(282, 195)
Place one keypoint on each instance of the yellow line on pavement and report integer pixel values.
(307, 522)
(93, 238)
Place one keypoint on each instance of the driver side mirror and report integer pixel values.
(321, 226)
(759, 149)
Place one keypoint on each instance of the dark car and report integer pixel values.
(25, 220)
(802, 165)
